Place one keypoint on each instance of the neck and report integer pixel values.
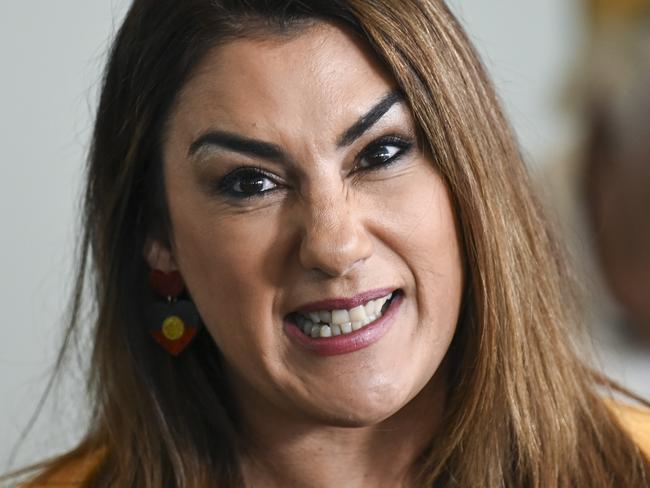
(290, 452)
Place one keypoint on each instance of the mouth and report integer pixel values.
(320, 321)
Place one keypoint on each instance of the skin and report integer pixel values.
(329, 227)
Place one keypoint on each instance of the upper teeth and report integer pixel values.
(327, 323)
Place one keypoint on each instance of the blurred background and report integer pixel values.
(574, 77)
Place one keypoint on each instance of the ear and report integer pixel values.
(159, 256)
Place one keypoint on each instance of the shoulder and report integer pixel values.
(69, 471)
(636, 422)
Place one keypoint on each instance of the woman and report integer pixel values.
(331, 187)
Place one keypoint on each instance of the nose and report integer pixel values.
(334, 239)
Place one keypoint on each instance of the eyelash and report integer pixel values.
(257, 174)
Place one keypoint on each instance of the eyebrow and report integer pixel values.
(371, 117)
(273, 152)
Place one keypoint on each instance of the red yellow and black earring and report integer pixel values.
(173, 323)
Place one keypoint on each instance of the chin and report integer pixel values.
(356, 420)
(365, 410)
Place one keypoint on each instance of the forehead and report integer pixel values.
(317, 76)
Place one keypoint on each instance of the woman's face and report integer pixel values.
(297, 191)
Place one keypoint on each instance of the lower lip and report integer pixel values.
(346, 343)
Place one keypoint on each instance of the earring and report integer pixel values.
(173, 323)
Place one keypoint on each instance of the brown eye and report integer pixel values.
(251, 186)
(382, 152)
(380, 155)
(246, 183)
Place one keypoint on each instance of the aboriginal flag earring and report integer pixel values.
(173, 322)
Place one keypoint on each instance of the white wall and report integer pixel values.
(51, 55)
(528, 47)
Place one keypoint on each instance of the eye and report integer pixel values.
(382, 152)
(246, 183)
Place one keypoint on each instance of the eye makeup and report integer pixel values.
(250, 182)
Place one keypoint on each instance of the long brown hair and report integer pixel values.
(523, 410)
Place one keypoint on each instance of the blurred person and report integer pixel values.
(616, 156)
(599, 187)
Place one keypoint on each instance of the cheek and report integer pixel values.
(424, 235)
(225, 263)
(439, 274)
(419, 214)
